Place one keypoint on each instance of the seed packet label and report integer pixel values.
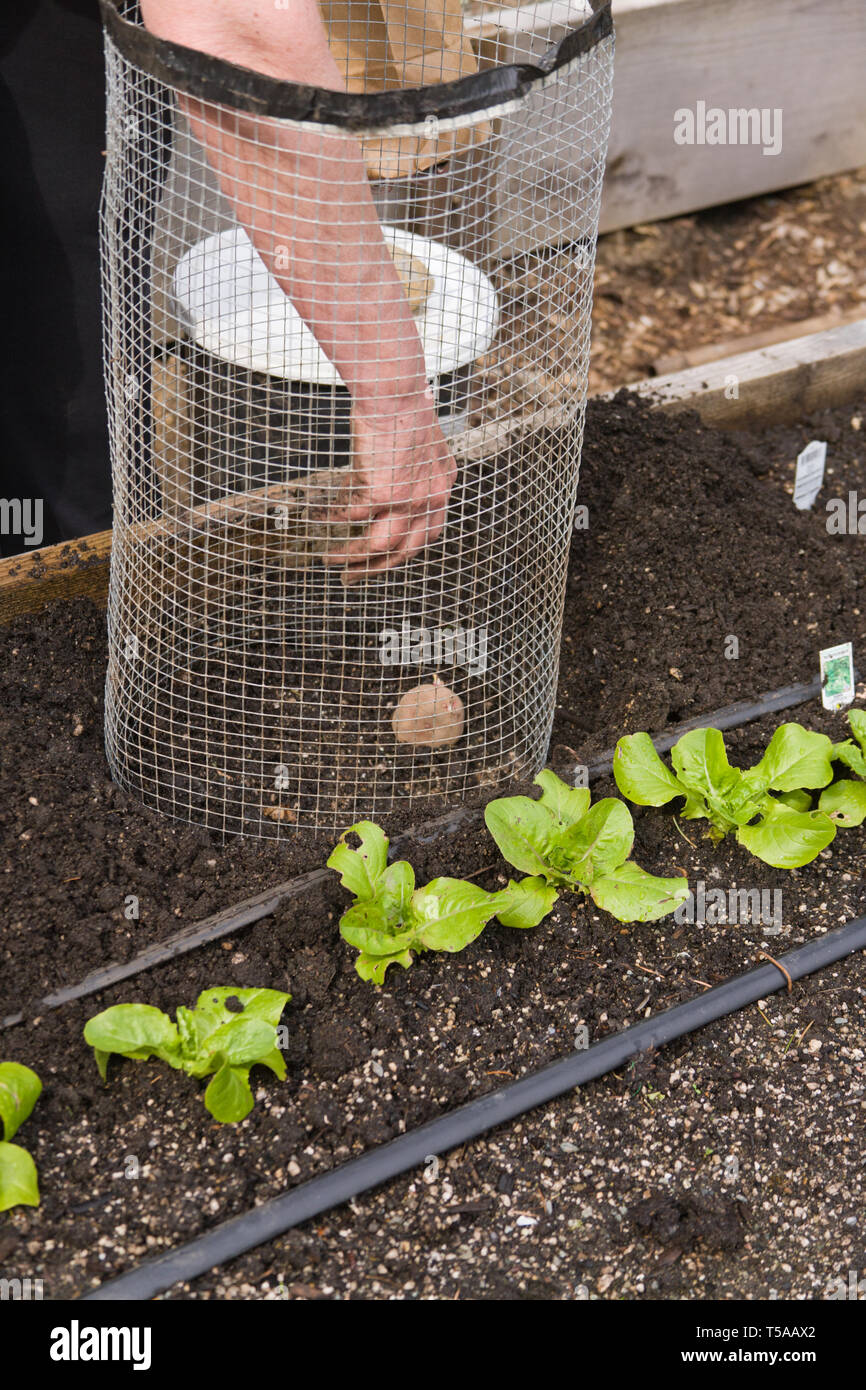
(837, 676)
(809, 477)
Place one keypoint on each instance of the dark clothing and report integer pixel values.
(53, 435)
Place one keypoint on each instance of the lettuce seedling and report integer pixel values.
(779, 829)
(391, 918)
(209, 1040)
(845, 801)
(566, 842)
(20, 1088)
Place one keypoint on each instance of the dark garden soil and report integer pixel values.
(730, 1165)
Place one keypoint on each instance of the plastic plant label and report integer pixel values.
(809, 476)
(837, 676)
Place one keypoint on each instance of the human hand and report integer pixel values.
(398, 483)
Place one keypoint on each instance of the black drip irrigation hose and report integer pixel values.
(251, 910)
(730, 717)
(221, 925)
(280, 1214)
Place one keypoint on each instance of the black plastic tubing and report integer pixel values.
(360, 1175)
(729, 717)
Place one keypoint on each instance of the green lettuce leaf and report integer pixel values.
(366, 927)
(695, 808)
(361, 869)
(20, 1088)
(567, 805)
(599, 843)
(138, 1031)
(372, 968)
(526, 903)
(19, 1184)
(797, 800)
(640, 773)
(395, 890)
(701, 762)
(857, 720)
(228, 1097)
(524, 831)
(241, 1042)
(449, 913)
(743, 803)
(795, 758)
(630, 894)
(266, 1004)
(850, 755)
(274, 1061)
(785, 838)
(844, 802)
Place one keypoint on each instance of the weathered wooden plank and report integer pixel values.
(806, 60)
(781, 382)
(71, 569)
(749, 342)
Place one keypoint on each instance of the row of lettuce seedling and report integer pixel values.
(561, 842)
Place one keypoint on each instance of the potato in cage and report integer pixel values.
(347, 332)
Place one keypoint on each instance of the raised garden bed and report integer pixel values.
(621, 1190)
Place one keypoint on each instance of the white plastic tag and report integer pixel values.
(809, 477)
(837, 676)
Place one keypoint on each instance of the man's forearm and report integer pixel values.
(304, 197)
(311, 218)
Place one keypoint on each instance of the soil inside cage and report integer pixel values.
(259, 690)
(693, 537)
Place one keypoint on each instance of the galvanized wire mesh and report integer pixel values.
(253, 265)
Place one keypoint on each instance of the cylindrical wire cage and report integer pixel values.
(333, 317)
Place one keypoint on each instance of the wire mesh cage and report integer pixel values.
(346, 335)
